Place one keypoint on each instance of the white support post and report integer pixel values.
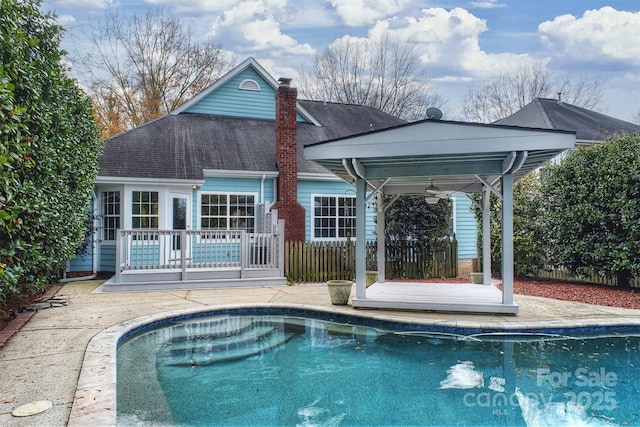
(244, 253)
(119, 240)
(361, 238)
(183, 255)
(486, 235)
(380, 229)
(507, 239)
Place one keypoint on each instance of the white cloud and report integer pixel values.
(254, 27)
(310, 14)
(196, 6)
(86, 4)
(449, 41)
(66, 20)
(357, 13)
(487, 4)
(598, 37)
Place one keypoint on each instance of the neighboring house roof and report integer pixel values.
(589, 126)
(181, 146)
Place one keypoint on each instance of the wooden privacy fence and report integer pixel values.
(322, 261)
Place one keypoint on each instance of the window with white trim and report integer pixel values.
(334, 217)
(144, 210)
(219, 211)
(110, 214)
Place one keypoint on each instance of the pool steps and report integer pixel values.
(218, 341)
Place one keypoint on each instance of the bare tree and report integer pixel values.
(504, 94)
(141, 67)
(384, 73)
(635, 118)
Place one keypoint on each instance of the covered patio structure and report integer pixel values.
(437, 158)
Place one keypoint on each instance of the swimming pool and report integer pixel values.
(305, 368)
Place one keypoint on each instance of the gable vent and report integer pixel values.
(249, 84)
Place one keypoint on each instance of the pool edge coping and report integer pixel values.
(94, 402)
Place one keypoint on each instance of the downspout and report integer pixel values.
(94, 259)
(262, 188)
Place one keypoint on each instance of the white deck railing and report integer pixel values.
(201, 249)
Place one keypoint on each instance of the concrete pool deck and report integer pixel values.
(44, 359)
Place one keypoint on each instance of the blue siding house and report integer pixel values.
(222, 162)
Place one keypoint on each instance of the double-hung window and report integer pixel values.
(144, 210)
(110, 214)
(227, 212)
(334, 217)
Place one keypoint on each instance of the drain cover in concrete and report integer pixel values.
(32, 408)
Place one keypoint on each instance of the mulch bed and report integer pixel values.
(580, 292)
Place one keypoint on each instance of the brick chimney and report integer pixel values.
(287, 160)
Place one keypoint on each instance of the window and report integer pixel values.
(227, 212)
(110, 214)
(144, 209)
(334, 217)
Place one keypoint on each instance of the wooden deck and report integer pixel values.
(454, 297)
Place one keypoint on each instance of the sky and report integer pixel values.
(461, 43)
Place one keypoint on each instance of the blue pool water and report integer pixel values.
(287, 370)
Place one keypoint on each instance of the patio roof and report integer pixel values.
(451, 154)
(455, 157)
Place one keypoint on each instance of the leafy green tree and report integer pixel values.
(49, 150)
(592, 219)
(412, 219)
(528, 223)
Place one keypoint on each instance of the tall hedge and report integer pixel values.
(592, 213)
(528, 219)
(49, 150)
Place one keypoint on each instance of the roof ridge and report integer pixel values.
(543, 112)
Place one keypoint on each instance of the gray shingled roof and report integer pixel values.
(180, 146)
(550, 114)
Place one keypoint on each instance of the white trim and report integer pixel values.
(319, 176)
(304, 113)
(251, 85)
(162, 207)
(100, 215)
(226, 193)
(127, 201)
(223, 173)
(171, 194)
(249, 62)
(312, 218)
(141, 181)
(454, 214)
(303, 176)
